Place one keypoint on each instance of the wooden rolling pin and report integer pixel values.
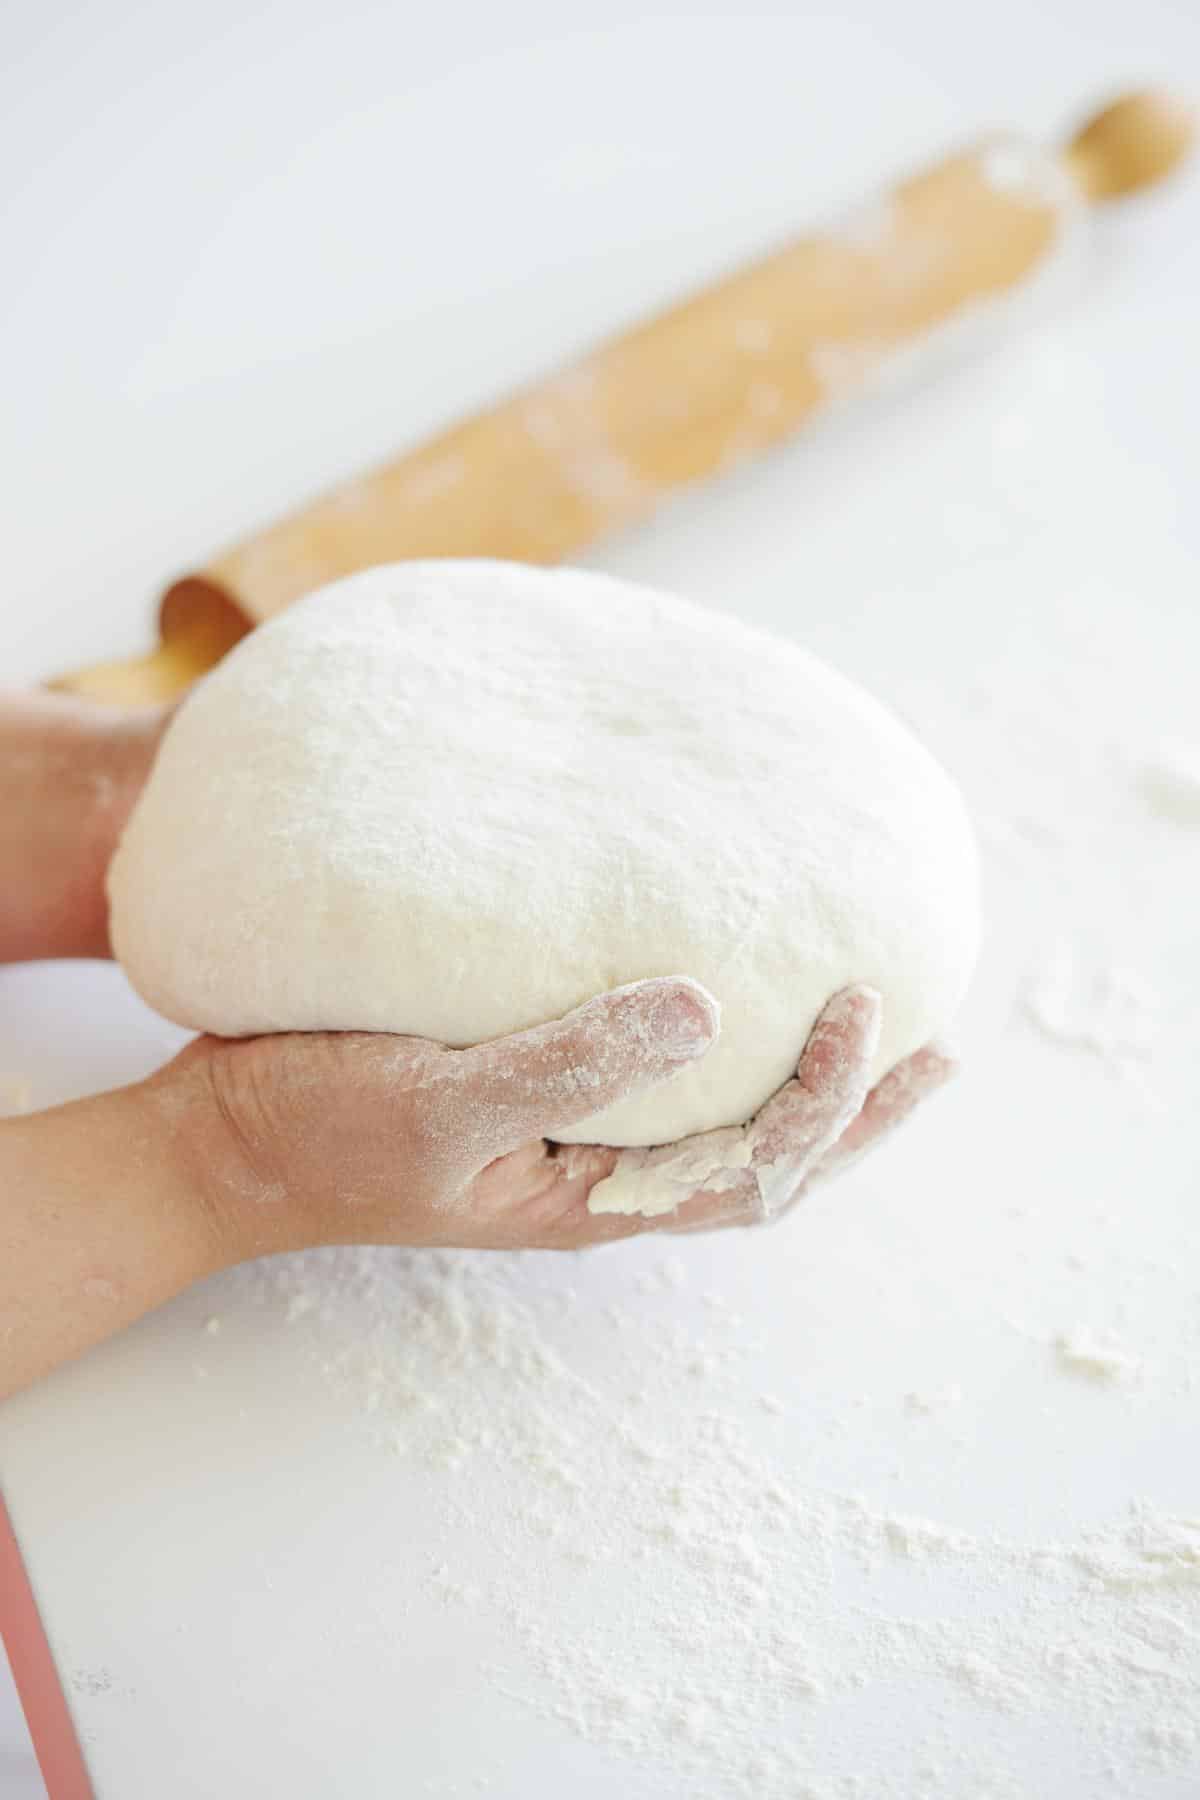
(729, 371)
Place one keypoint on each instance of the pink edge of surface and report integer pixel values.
(45, 1704)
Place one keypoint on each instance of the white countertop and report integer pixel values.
(371, 1525)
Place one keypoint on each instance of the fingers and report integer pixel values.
(541, 1082)
(890, 1103)
(819, 1122)
(739, 1175)
(796, 1129)
(887, 1105)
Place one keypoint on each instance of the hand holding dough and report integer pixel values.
(456, 799)
(352, 1137)
(818, 1123)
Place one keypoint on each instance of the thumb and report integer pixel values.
(548, 1079)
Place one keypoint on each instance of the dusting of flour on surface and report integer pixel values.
(1171, 778)
(1081, 1352)
(1108, 1011)
(668, 1589)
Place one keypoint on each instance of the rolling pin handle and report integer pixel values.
(198, 624)
(1130, 144)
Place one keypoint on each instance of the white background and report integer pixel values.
(248, 249)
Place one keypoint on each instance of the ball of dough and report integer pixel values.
(459, 798)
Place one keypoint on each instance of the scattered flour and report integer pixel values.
(1082, 1353)
(97, 1681)
(934, 1401)
(1109, 1012)
(1018, 835)
(673, 1593)
(875, 361)
(1171, 778)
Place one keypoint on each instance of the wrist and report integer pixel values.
(164, 1135)
(102, 1224)
(242, 1207)
(113, 756)
(70, 772)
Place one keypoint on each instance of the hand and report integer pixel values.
(814, 1127)
(236, 1149)
(352, 1137)
(113, 1204)
(70, 771)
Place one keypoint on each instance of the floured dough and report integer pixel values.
(458, 798)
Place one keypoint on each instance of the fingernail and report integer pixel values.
(860, 1003)
(682, 1020)
(860, 998)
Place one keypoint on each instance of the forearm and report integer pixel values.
(70, 771)
(102, 1218)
